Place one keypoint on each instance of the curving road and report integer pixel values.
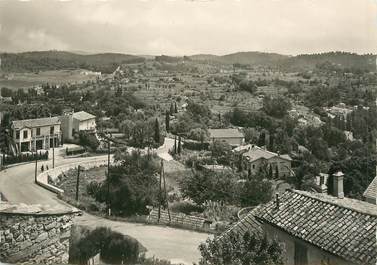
(176, 245)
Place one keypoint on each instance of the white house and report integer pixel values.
(74, 122)
(35, 134)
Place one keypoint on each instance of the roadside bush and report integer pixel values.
(88, 140)
(113, 247)
(186, 208)
(74, 150)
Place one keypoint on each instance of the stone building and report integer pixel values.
(36, 134)
(255, 158)
(231, 136)
(316, 228)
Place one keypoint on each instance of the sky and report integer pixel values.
(186, 27)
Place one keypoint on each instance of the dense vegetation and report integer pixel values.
(238, 249)
(131, 186)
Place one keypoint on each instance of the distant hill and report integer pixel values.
(293, 63)
(251, 58)
(58, 60)
(168, 59)
(343, 60)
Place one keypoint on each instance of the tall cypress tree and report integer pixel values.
(179, 145)
(262, 139)
(175, 107)
(171, 108)
(175, 144)
(157, 136)
(167, 121)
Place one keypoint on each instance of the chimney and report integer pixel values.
(277, 201)
(322, 183)
(338, 184)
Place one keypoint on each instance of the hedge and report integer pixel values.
(195, 145)
(9, 160)
(75, 151)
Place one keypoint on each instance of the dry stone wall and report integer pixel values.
(30, 234)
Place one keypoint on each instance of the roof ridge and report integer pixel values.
(312, 196)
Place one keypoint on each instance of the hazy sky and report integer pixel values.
(179, 27)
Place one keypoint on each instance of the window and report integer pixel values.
(52, 130)
(25, 134)
(38, 131)
(301, 254)
(17, 134)
(253, 166)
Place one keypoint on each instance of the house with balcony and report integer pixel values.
(35, 134)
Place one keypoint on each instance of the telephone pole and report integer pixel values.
(36, 166)
(159, 195)
(166, 193)
(162, 178)
(108, 178)
(78, 183)
(53, 152)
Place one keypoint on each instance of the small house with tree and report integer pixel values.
(256, 158)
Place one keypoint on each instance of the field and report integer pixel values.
(26, 80)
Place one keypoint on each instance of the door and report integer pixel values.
(301, 254)
(39, 144)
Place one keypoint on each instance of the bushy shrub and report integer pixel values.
(113, 247)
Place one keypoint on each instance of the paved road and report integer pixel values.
(17, 185)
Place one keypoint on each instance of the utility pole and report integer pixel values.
(162, 177)
(159, 195)
(166, 194)
(53, 152)
(36, 166)
(108, 178)
(78, 183)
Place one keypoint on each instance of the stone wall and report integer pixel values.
(32, 234)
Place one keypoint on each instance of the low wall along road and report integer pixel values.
(42, 178)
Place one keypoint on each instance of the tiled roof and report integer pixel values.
(225, 133)
(256, 153)
(371, 191)
(343, 227)
(32, 123)
(83, 116)
(246, 224)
